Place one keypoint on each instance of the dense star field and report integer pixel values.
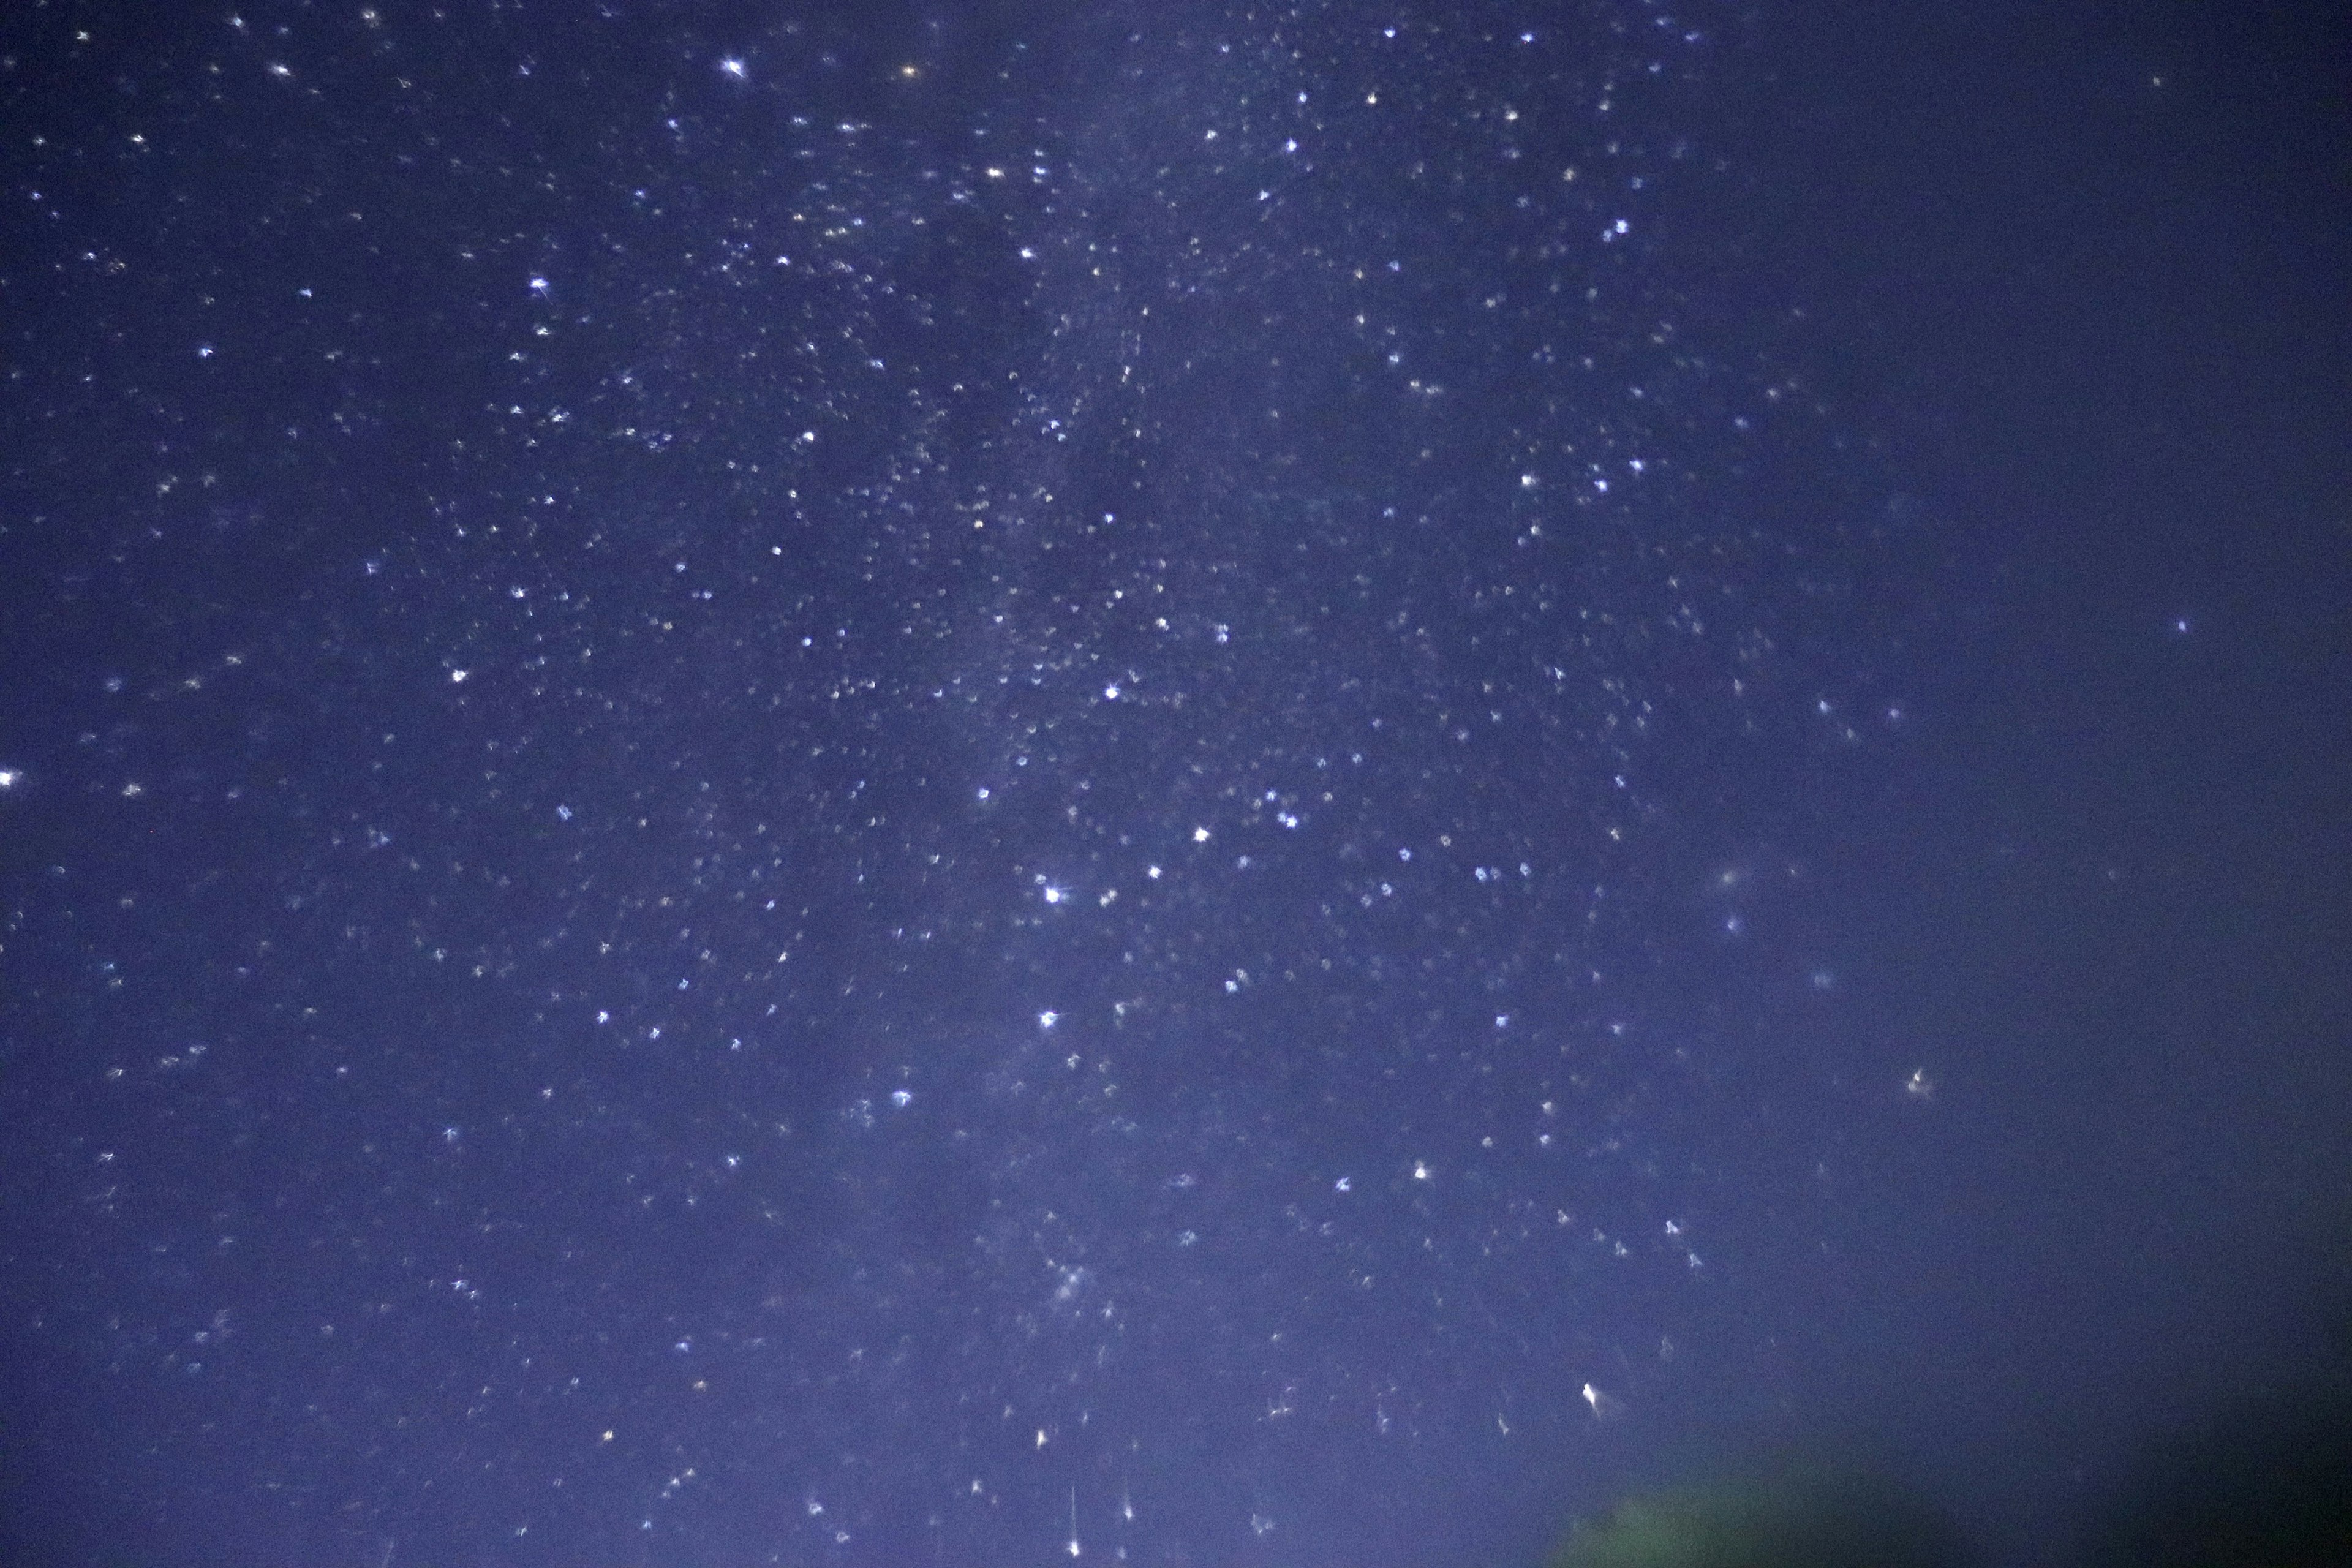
(881, 784)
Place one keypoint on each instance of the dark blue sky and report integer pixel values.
(1207, 785)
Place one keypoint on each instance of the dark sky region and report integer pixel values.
(1185, 783)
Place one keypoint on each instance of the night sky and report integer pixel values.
(1196, 784)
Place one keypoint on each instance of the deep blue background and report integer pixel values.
(910, 782)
